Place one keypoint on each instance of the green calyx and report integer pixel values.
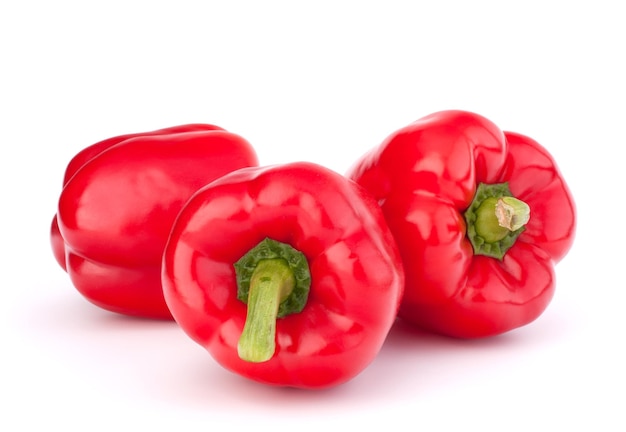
(495, 219)
(273, 279)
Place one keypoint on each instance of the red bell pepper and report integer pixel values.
(119, 200)
(480, 217)
(287, 275)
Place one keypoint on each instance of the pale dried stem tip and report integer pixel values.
(512, 213)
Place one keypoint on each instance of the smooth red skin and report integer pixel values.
(119, 201)
(424, 177)
(356, 272)
(92, 151)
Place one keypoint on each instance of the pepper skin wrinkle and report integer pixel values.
(356, 275)
(425, 176)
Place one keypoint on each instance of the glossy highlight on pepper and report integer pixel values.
(467, 275)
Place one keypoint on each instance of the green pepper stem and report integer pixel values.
(495, 219)
(487, 223)
(272, 282)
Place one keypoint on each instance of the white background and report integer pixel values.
(320, 81)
